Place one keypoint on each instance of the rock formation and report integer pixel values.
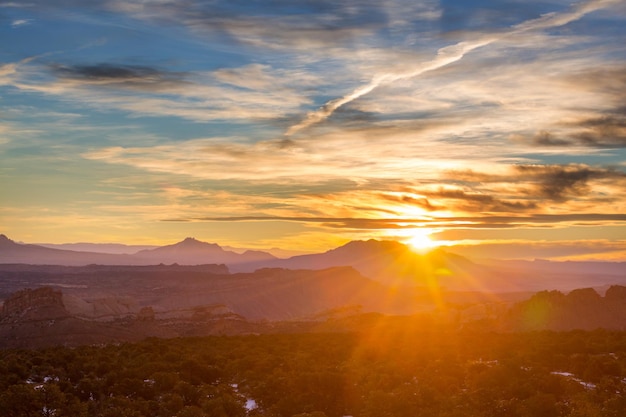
(34, 304)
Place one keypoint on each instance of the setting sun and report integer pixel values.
(420, 240)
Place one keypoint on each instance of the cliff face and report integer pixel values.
(31, 305)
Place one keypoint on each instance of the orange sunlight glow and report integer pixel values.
(420, 241)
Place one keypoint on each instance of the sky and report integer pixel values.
(494, 127)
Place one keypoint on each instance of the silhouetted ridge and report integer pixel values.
(194, 252)
(192, 242)
(6, 242)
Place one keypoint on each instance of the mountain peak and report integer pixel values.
(192, 242)
(5, 241)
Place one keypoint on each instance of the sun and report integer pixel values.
(420, 241)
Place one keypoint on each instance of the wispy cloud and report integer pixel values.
(20, 22)
(120, 76)
(16, 5)
(448, 55)
(463, 222)
(147, 90)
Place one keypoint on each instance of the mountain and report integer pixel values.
(194, 252)
(16, 253)
(388, 262)
(188, 252)
(395, 264)
(391, 263)
(111, 248)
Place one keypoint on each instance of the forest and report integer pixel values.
(385, 372)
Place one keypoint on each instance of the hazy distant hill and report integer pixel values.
(12, 253)
(110, 248)
(194, 252)
(188, 252)
(389, 262)
(395, 264)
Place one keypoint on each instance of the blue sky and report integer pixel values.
(305, 124)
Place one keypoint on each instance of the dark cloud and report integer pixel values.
(605, 131)
(122, 76)
(285, 144)
(480, 201)
(530, 185)
(545, 138)
(420, 202)
(609, 128)
(561, 182)
(348, 116)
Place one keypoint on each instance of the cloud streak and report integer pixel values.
(446, 56)
(461, 222)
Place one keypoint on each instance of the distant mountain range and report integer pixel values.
(111, 248)
(388, 262)
(188, 252)
(196, 288)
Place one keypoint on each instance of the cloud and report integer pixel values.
(406, 177)
(150, 91)
(559, 183)
(10, 71)
(604, 131)
(596, 122)
(412, 200)
(279, 25)
(445, 56)
(601, 132)
(448, 55)
(16, 5)
(120, 76)
(542, 138)
(20, 22)
(262, 77)
(529, 188)
(475, 201)
(462, 222)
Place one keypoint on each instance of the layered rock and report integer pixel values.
(34, 304)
